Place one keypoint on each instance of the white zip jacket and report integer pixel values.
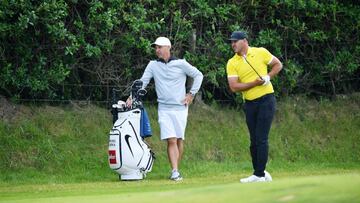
(170, 79)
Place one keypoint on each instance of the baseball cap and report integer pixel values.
(238, 35)
(161, 41)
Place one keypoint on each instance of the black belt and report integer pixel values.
(260, 98)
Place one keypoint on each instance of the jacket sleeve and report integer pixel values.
(193, 72)
(147, 75)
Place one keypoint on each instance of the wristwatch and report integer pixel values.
(192, 94)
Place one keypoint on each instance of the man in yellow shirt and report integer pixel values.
(247, 72)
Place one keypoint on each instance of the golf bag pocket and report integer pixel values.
(114, 150)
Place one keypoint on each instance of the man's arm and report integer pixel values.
(275, 66)
(195, 74)
(145, 78)
(197, 80)
(237, 86)
(147, 75)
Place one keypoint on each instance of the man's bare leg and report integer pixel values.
(173, 152)
(180, 146)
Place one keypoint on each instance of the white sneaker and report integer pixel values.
(252, 179)
(175, 176)
(268, 177)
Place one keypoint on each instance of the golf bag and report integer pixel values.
(129, 155)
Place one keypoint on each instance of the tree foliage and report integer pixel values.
(48, 44)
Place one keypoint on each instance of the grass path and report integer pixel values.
(343, 187)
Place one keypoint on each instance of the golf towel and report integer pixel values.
(145, 128)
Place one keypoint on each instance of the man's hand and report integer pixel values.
(129, 102)
(257, 82)
(188, 99)
(266, 79)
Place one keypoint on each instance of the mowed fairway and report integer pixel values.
(317, 188)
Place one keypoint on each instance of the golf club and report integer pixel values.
(252, 67)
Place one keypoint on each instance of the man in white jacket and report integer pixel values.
(170, 75)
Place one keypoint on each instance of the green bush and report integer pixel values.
(53, 48)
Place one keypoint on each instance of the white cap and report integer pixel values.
(162, 41)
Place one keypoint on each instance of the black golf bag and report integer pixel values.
(129, 155)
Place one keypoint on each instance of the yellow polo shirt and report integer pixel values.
(259, 58)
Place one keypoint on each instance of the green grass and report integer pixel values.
(54, 145)
(342, 187)
(59, 154)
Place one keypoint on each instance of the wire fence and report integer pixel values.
(123, 91)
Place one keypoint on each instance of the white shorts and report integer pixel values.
(172, 123)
